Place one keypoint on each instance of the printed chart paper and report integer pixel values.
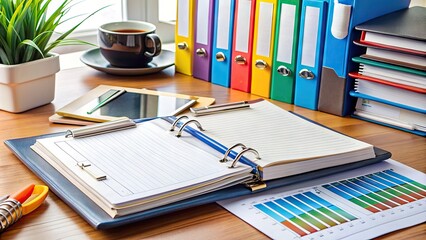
(358, 204)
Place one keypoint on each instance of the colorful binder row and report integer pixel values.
(279, 49)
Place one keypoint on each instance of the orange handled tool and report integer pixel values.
(20, 204)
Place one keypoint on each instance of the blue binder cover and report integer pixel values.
(310, 52)
(222, 42)
(339, 49)
(97, 218)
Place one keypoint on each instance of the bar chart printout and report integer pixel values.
(305, 213)
(379, 191)
(363, 203)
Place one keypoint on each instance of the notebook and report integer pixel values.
(127, 167)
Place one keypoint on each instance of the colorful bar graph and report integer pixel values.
(379, 191)
(304, 213)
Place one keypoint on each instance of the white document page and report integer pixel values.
(223, 24)
(243, 26)
(310, 36)
(264, 30)
(141, 163)
(418, 45)
(183, 18)
(393, 75)
(359, 204)
(286, 34)
(203, 21)
(277, 134)
(392, 94)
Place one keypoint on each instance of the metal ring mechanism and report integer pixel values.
(225, 156)
(238, 157)
(176, 122)
(188, 122)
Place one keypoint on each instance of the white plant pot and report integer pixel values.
(28, 85)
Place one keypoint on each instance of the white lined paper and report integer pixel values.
(277, 135)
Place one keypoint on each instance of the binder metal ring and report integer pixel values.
(182, 45)
(240, 60)
(201, 52)
(306, 74)
(238, 157)
(220, 57)
(284, 71)
(176, 121)
(225, 156)
(188, 122)
(261, 64)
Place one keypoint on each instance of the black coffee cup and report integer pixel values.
(129, 44)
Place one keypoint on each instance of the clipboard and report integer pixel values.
(77, 110)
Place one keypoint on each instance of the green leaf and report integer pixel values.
(26, 28)
(29, 51)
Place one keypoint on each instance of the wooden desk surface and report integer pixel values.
(54, 219)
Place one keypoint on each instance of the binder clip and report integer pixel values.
(20, 204)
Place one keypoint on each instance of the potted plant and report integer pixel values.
(27, 65)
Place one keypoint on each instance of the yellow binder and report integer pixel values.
(184, 36)
(264, 31)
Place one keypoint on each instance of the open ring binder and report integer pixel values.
(10, 212)
(198, 124)
(225, 156)
(238, 157)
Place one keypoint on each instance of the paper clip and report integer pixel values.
(219, 108)
(20, 204)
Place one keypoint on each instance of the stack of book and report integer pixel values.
(391, 81)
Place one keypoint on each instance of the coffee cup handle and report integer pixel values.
(156, 43)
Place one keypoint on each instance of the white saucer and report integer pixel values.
(93, 58)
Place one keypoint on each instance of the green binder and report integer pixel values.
(285, 50)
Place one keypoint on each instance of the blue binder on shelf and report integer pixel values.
(222, 42)
(339, 49)
(99, 219)
(310, 53)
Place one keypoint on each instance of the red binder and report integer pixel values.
(242, 45)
